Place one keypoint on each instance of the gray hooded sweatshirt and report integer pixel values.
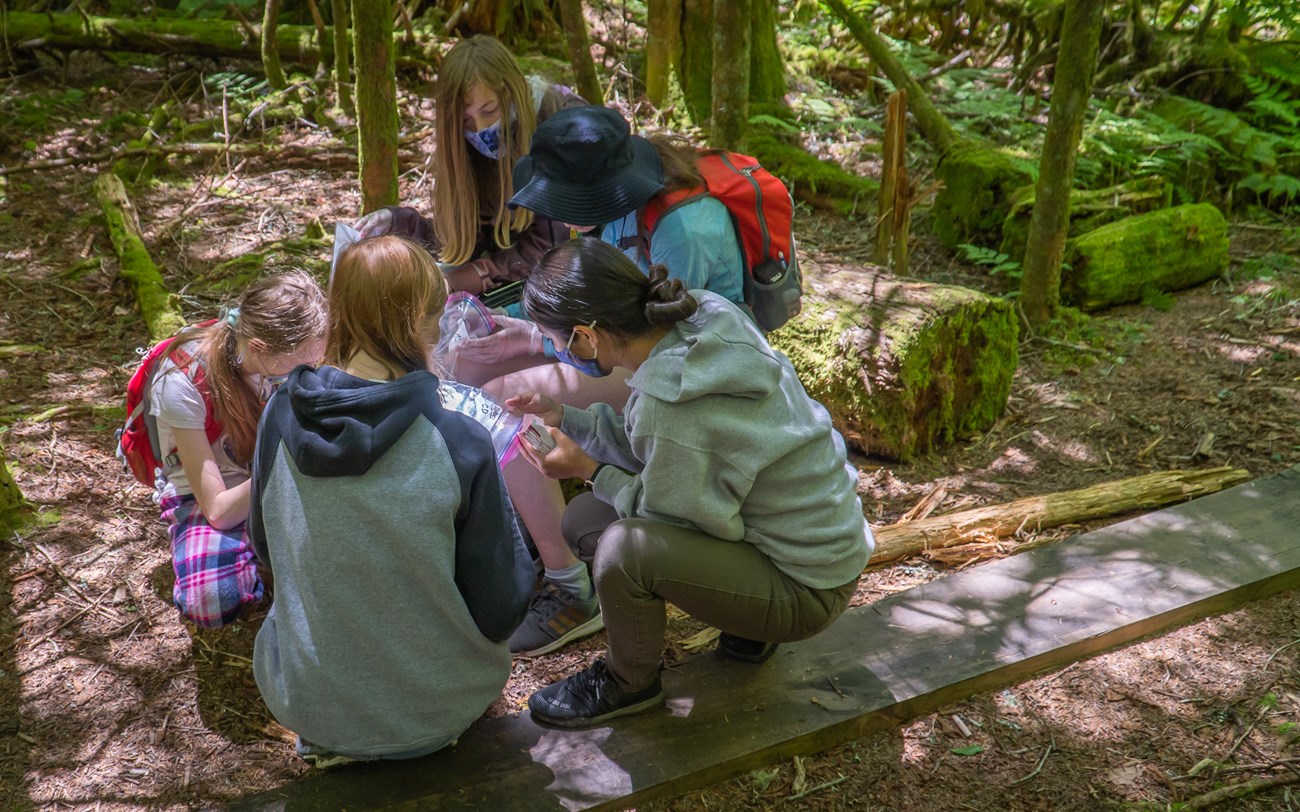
(724, 440)
(399, 569)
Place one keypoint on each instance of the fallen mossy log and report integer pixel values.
(1163, 250)
(901, 366)
(1089, 209)
(161, 316)
(979, 181)
(297, 44)
(1144, 492)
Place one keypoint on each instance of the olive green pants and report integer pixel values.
(638, 565)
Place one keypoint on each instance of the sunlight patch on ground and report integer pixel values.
(1013, 461)
(1069, 449)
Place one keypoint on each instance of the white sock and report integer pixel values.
(573, 579)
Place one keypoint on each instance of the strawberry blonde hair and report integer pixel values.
(383, 290)
(277, 315)
(466, 189)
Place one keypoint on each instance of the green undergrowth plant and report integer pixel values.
(991, 258)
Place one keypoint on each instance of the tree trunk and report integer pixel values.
(1040, 286)
(696, 72)
(342, 64)
(902, 367)
(584, 68)
(377, 122)
(766, 65)
(663, 47)
(13, 508)
(220, 39)
(932, 123)
(1145, 492)
(161, 316)
(270, 53)
(729, 114)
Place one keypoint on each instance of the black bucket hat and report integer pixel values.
(586, 168)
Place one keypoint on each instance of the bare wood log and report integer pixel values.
(893, 205)
(156, 303)
(1051, 510)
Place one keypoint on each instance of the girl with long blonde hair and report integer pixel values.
(486, 111)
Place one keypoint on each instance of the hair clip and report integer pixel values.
(230, 315)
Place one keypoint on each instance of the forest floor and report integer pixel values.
(108, 701)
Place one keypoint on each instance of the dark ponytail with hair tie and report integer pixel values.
(667, 300)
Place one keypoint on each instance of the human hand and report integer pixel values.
(512, 338)
(377, 222)
(550, 412)
(566, 460)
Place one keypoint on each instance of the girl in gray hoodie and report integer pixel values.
(722, 488)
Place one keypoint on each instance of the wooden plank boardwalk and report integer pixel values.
(877, 666)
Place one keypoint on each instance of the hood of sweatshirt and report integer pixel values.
(346, 423)
(718, 350)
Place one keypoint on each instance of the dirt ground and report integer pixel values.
(109, 702)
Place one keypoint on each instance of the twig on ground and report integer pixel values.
(819, 787)
(1295, 642)
(1237, 790)
(1236, 745)
(1037, 769)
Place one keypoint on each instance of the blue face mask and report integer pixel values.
(587, 366)
(487, 140)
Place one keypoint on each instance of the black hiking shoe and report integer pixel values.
(589, 698)
(744, 649)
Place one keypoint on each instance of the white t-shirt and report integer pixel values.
(175, 402)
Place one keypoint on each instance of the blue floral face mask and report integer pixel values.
(487, 140)
(587, 366)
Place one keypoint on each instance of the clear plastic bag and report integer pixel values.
(487, 410)
(463, 317)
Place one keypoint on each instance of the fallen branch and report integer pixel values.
(314, 154)
(1050, 510)
(157, 305)
(1238, 790)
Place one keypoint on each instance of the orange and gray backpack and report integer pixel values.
(762, 213)
(137, 440)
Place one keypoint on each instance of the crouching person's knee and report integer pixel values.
(215, 578)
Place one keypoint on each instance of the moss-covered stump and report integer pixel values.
(822, 184)
(1163, 250)
(160, 313)
(1089, 209)
(14, 510)
(902, 367)
(978, 183)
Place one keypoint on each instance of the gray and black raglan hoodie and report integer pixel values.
(399, 568)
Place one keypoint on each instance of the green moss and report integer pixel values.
(914, 385)
(1089, 209)
(15, 511)
(157, 306)
(978, 183)
(819, 183)
(1164, 250)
